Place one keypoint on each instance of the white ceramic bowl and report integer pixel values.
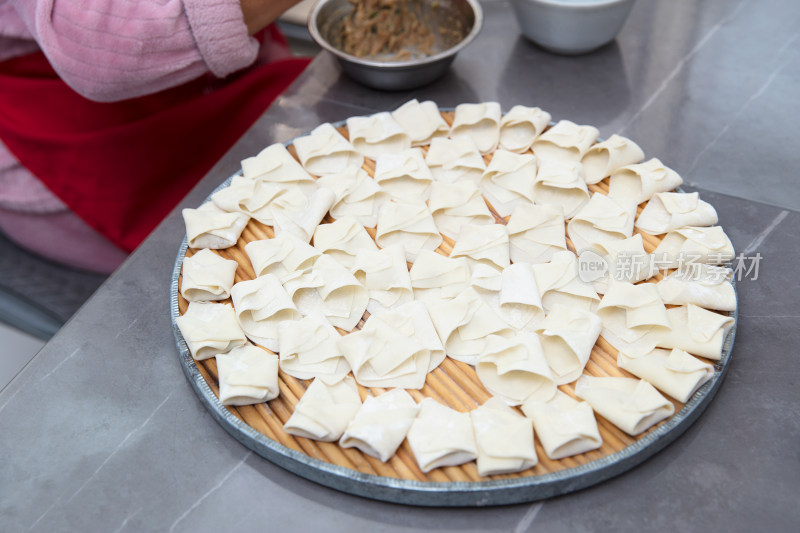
(571, 26)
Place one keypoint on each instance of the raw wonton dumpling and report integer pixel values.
(455, 204)
(697, 330)
(521, 126)
(381, 424)
(385, 275)
(641, 181)
(303, 286)
(282, 256)
(694, 245)
(247, 375)
(207, 276)
(456, 159)
(565, 140)
(560, 185)
(483, 244)
(568, 335)
(261, 304)
(704, 285)
(509, 180)
(274, 164)
(515, 369)
(413, 321)
(377, 134)
(558, 283)
(421, 121)
(210, 329)
(565, 426)
(632, 405)
(504, 439)
(326, 151)
(667, 211)
(404, 175)
(208, 226)
(410, 224)
(512, 294)
(441, 436)
(634, 317)
(342, 240)
(324, 410)
(435, 276)
(601, 220)
(344, 299)
(308, 349)
(259, 199)
(357, 195)
(604, 158)
(535, 233)
(627, 262)
(672, 372)
(480, 122)
(302, 224)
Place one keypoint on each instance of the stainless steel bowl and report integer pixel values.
(325, 23)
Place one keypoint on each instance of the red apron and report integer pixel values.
(123, 166)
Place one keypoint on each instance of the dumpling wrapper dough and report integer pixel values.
(207, 276)
(483, 244)
(632, 405)
(377, 134)
(509, 181)
(521, 126)
(385, 275)
(412, 320)
(421, 121)
(281, 255)
(247, 375)
(602, 159)
(438, 277)
(404, 175)
(480, 122)
(560, 185)
(641, 181)
(559, 284)
(259, 199)
(512, 294)
(694, 245)
(667, 211)
(634, 317)
(456, 159)
(208, 226)
(535, 233)
(699, 284)
(344, 299)
(455, 204)
(697, 331)
(274, 164)
(601, 220)
(302, 224)
(564, 425)
(410, 224)
(343, 239)
(504, 439)
(326, 151)
(324, 410)
(674, 372)
(441, 436)
(357, 195)
(568, 335)
(309, 349)
(515, 370)
(210, 329)
(381, 424)
(627, 262)
(565, 140)
(261, 304)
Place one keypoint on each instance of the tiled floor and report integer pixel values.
(16, 349)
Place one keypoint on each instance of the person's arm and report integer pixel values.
(258, 14)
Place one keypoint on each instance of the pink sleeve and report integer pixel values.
(110, 50)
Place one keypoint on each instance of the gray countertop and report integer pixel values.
(102, 432)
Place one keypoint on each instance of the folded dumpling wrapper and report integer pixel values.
(697, 330)
(261, 304)
(302, 224)
(565, 140)
(564, 425)
(247, 375)
(456, 159)
(626, 261)
(438, 277)
(512, 294)
(404, 175)
(413, 321)
(667, 211)
(303, 286)
(385, 275)
(560, 185)
(421, 121)
(441, 436)
(504, 439)
(602, 159)
(559, 284)
(515, 369)
(342, 240)
(210, 329)
(207, 276)
(259, 199)
(641, 181)
(381, 424)
(455, 204)
(274, 164)
(708, 286)
(633, 405)
(694, 245)
(483, 244)
(480, 122)
(377, 134)
(535, 233)
(410, 224)
(601, 220)
(281, 256)
(509, 180)
(464, 323)
(309, 349)
(324, 410)
(357, 195)
(326, 151)
(344, 299)
(521, 126)
(208, 226)
(568, 335)
(634, 317)
(673, 372)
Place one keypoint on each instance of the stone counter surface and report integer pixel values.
(102, 432)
